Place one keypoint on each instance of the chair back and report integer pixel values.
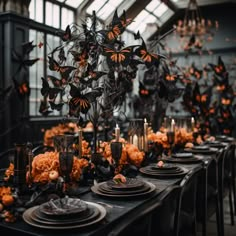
(188, 206)
(159, 216)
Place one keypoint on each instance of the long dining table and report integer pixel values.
(116, 209)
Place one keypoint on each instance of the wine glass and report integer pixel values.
(66, 164)
(116, 151)
(195, 135)
(171, 139)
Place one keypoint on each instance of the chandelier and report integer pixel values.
(194, 27)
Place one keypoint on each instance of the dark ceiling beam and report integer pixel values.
(171, 5)
(136, 8)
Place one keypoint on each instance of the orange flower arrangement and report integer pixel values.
(45, 167)
(57, 130)
(130, 153)
(6, 200)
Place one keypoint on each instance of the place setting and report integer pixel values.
(64, 213)
(201, 149)
(129, 187)
(216, 143)
(164, 170)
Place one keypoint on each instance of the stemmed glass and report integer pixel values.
(195, 135)
(66, 164)
(171, 140)
(116, 151)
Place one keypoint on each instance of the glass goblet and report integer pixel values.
(116, 151)
(66, 164)
(171, 139)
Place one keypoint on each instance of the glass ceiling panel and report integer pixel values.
(95, 6)
(104, 8)
(160, 10)
(153, 5)
(73, 3)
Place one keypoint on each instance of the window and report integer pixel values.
(49, 14)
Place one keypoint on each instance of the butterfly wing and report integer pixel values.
(115, 58)
(65, 35)
(44, 108)
(148, 58)
(53, 64)
(55, 106)
(22, 88)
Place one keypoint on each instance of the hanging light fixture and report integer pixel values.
(194, 27)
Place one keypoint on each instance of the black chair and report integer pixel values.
(188, 221)
(160, 217)
(208, 197)
(227, 181)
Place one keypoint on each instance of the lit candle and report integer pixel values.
(80, 142)
(192, 123)
(145, 135)
(172, 127)
(117, 133)
(135, 140)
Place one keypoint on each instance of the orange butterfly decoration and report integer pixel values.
(63, 70)
(116, 57)
(117, 26)
(148, 58)
(22, 88)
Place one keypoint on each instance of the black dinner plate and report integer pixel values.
(201, 147)
(106, 189)
(27, 217)
(90, 214)
(131, 183)
(210, 150)
(152, 169)
(164, 167)
(63, 206)
(182, 155)
(192, 160)
(95, 189)
(216, 144)
(146, 171)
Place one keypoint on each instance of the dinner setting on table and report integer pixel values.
(97, 146)
(49, 190)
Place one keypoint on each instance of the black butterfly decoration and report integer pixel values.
(168, 88)
(56, 106)
(48, 91)
(195, 72)
(147, 57)
(63, 70)
(65, 35)
(22, 87)
(187, 100)
(118, 57)
(81, 102)
(92, 74)
(57, 83)
(22, 57)
(219, 69)
(44, 108)
(80, 57)
(144, 92)
(117, 27)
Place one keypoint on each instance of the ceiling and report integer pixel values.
(143, 12)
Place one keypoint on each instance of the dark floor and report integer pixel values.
(229, 229)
